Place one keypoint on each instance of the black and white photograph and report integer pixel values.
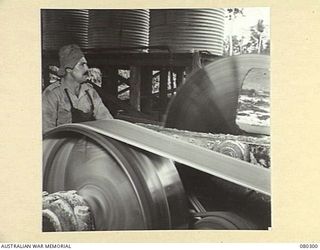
(151, 123)
(156, 119)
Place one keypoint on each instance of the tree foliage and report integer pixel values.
(258, 43)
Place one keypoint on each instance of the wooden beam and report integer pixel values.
(180, 76)
(196, 61)
(123, 80)
(156, 74)
(156, 60)
(108, 88)
(45, 76)
(125, 59)
(172, 87)
(135, 84)
(163, 89)
(123, 90)
(146, 90)
(196, 64)
(110, 79)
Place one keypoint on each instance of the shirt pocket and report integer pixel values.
(64, 115)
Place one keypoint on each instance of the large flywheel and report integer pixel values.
(125, 187)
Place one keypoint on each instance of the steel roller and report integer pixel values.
(208, 100)
(222, 220)
(125, 187)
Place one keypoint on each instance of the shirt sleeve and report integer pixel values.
(100, 111)
(49, 110)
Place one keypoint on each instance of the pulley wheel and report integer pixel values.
(208, 100)
(126, 188)
(223, 221)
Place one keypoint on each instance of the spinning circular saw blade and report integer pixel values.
(208, 100)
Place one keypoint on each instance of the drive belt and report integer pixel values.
(210, 162)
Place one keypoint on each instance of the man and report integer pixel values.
(71, 100)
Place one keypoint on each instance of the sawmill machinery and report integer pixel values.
(116, 175)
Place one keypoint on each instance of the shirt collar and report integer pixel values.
(83, 88)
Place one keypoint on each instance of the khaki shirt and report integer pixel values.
(56, 107)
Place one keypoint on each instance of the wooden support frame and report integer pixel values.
(109, 81)
(142, 65)
(180, 76)
(172, 82)
(123, 80)
(146, 90)
(135, 85)
(123, 90)
(108, 90)
(163, 90)
(45, 76)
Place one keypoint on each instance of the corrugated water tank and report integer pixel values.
(187, 30)
(61, 27)
(118, 28)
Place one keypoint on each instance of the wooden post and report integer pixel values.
(45, 76)
(163, 90)
(135, 83)
(146, 90)
(114, 82)
(109, 81)
(196, 64)
(109, 89)
(104, 84)
(180, 76)
(172, 83)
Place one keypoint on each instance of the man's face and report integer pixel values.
(80, 71)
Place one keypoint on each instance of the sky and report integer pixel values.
(241, 25)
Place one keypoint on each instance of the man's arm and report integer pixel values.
(49, 111)
(100, 111)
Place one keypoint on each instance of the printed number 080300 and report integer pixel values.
(308, 245)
